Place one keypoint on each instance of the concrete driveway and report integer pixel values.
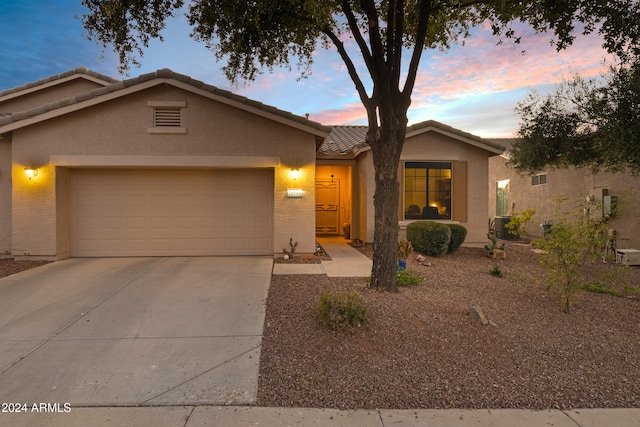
(134, 331)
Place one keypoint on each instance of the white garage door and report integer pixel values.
(171, 212)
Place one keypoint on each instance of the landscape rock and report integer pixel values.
(423, 261)
(478, 315)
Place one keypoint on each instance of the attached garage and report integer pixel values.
(167, 212)
(113, 177)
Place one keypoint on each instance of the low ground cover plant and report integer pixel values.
(408, 278)
(496, 271)
(343, 311)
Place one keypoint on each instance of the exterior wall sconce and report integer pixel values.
(294, 173)
(31, 170)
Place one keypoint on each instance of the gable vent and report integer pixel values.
(167, 116)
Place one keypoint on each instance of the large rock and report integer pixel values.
(478, 315)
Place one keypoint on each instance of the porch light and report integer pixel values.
(31, 170)
(294, 173)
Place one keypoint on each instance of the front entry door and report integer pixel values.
(327, 206)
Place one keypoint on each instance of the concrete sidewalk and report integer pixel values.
(345, 261)
(200, 416)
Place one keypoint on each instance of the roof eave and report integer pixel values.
(455, 134)
(78, 73)
(123, 88)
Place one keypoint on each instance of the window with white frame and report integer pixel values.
(539, 179)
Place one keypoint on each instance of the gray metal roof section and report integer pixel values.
(160, 74)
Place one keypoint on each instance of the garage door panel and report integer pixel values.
(171, 212)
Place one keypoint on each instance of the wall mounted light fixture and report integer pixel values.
(31, 170)
(294, 173)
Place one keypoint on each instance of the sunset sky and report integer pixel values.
(474, 87)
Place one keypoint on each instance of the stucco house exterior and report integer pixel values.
(164, 165)
(441, 174)
(511, 192)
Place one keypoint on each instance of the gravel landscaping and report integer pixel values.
(422, 348)
(9, 266)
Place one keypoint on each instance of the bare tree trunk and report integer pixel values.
(386, 149)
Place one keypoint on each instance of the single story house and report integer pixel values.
(164, 165)
(512, 192)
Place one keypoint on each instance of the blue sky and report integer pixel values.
(474, 87)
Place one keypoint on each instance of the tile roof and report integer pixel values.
(348, 139)
(344, 139)
(160, 74)
(75, 71)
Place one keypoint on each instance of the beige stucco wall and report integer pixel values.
(575, 185)
(5, 197)
(99, 134)
(432, 146)
(366, 190)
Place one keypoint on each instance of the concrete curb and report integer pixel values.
(200, 416)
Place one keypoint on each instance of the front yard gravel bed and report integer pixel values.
(422, 349)
(9, 266)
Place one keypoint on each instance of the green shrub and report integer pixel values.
(458, 234)
(572, 242)
(342, 311)
(496, 272)
(429, 237)
(408, 278)
(519, 222)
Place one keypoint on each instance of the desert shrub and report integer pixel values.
(572, 242)
(496, 272)
(342, 311)
(458, 234)
(408, 278)
(519, 222)
(429, 237)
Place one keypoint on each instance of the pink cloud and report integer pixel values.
(482, 67)
(353, 113)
